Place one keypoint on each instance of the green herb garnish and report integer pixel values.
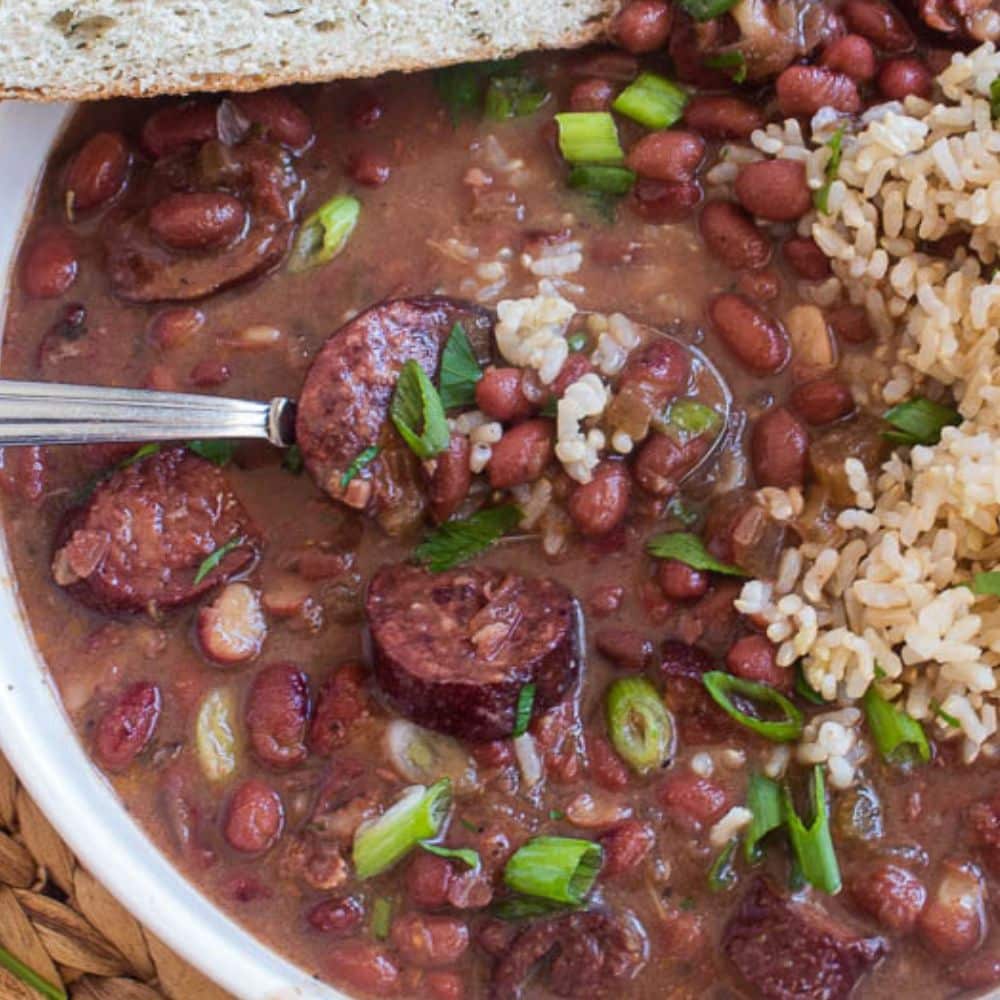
(601, 180)
(813, 845)
(722, 875)
(639, 724)
(733, 64)
(292, 460)
(514, 96)
(764, 801)
(556, 814)
(466, 855)
(460, 371)
(417, 412)
(652, 100)
(690, 550)
(919, 421)
(212, 561)
(589, 137)
(899, 737)
(219, 452)
(804, 689)
(558, 869)
(522, 714)
(364, 458)
(692, 418)
(526, 907)
(705, 10)
(722, 686)
(945, 717)
(995, 98)
(456, 542)
(381, 918)
(821, 196)
(986, 584)
(324, 233)
(577, 342)
(138, 455)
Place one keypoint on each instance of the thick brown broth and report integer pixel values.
(659, 274)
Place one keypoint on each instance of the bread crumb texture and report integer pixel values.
(55, 51)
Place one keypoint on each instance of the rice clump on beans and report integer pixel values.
(883, 601)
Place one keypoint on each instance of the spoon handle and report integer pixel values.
(53, 413)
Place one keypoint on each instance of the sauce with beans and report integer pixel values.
(274, 657)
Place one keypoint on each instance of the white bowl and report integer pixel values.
(40, 743)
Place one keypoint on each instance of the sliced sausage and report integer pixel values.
(147, 530)
(453, 650)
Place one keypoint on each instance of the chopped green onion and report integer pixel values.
(559, 869)
(722, 875)
(687, 903)
(551, 408)
(218, 452)
(28, 976)
(764, 802)
(589, 137)
(366, 457)
(821, 196)
(514, 96)
(652, 100)
(526, 907)
(556, 814)
(211, 562)
(732, 63)
(804, 689)
(602, 180)
(419, 814)
(577, 342)
(939, 712)
(721, 686)
(705, 10)
(919, 421)
(995, 98)
(292, 460)
(639, 724)
(464, 854)
(381, 918)
(456, 542)
(986, 584)
(460, 88)
(693, 418)
(138, 455)
(469, 825)
(899, 737)
(324, 233)
(690, 550)
(460, 371)
(522, 714)
(417, 412)
(813, 845)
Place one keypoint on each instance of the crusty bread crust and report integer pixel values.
(100, 50)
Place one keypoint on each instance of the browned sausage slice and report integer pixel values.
(145, 532)
(453, 650)
(344, 405)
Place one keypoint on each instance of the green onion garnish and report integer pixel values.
(381, 918)
(995, 98)
(690, 550)
(417, 412)
(602, 180)
(804, 689)
(987, 584)
(733, 64)
(939, 712)
(705, 10)
(514, 96)
(821, 196)
(418, 815)
(460, 371)
(28, 975)
(639, 724)
(722, 874)
(138, 455)
(899, 737)
(211, 561)
(364, 458)
(812, 845)
(526, 907)
(721, 686)
(919, 421)
(693, 418)
(456, 542)
(764, 801)
(324, 233)
(652, 100)
(559, 869)
(292, 460)
(460, 88)
(556, 814)
(464, 854)
(522, 714)
(589, 137)
(218, 452)
(577, 342)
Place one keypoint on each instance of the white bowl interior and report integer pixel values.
(39, 742)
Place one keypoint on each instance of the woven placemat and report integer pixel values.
(62, 924)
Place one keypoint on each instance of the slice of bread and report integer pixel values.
(65, 50)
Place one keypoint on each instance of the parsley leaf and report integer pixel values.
(456, 542)
(690, 550)
(418, 414)
(732, 63)
(986, 584)
(995, 98)
(292, 460)
(366, 457)
(460, 371)
(211, 562)
(919, 421)
(217, 452)
(522, 714)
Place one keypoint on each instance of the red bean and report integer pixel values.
(779, 447)
(98, 170)
(763, 286)
(365, 110)
(363, 967)
(210, 372)
(521, 455)
(23, 472)
(625, 647)
(754, 658)
(691, 801)
(369, 168)
(605, 600)
(673, 155)
(731, 235)
(663, 201)
(574, 368)
(976, 973)
(499, 395)
(606, 766)
(175, 327)
(850, 323)
(806, 258)
(276, 715)
(662, 463)
(954, 920)
(892, 895)
(49, 265)
(126, 728)
(594, 94)
(427, 880)
(255, 817)
(427, 941)
(444, 985)
(451, 480)
(626, 846)
(899, 78)
(822, 401)
(684, 935)
(803, 90)
(171, 129)
(609, 64)
(342, 702)
(197, 220)
(851, 55)
(643, 25)
(758, 341)
(280, 117)
(774, 189)
(880, 23)
(679, 582)
(722, 117)
(338, 917)
(660, 370)
(597, 507)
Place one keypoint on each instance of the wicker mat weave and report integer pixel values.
(62, 924)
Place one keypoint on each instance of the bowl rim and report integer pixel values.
(36, 735)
